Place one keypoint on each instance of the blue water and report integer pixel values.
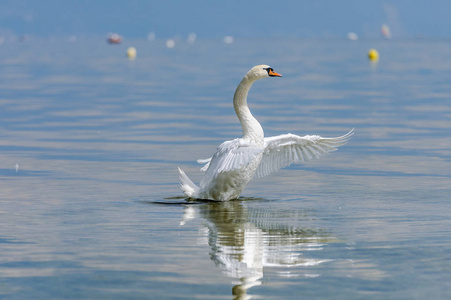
(90, 206)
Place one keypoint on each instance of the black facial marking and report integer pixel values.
(270, 71)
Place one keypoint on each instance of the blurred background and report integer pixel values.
(264, 18)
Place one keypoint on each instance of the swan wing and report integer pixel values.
(283, 150)
(204, 161)
(230, 156)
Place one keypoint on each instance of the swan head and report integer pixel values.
(261, 71)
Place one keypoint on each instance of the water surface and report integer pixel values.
(90, 206)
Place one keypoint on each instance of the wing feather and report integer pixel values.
(231, 155)
(283, 150)
(206, 162)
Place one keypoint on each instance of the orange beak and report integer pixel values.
(272, 73)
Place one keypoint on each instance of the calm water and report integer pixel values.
(90, 206)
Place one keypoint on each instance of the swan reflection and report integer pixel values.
(247, 239)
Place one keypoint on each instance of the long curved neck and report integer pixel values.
(251, 127)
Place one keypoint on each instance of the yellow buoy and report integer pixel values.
(373, 54)
(131, 52)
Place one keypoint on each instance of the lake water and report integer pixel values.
(90, 142)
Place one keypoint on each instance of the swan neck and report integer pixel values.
(251, 127)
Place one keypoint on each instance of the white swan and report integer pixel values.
(236, 162)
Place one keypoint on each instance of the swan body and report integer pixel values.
(238, 161)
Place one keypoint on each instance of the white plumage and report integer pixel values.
(236, 162)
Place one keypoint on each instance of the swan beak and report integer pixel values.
(274, 74)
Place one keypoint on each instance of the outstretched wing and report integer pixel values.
(283, 150)
(231, 155)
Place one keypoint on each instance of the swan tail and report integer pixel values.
(189, 188)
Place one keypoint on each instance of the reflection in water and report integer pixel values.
(246, 240)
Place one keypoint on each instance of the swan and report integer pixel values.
(238, 161)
